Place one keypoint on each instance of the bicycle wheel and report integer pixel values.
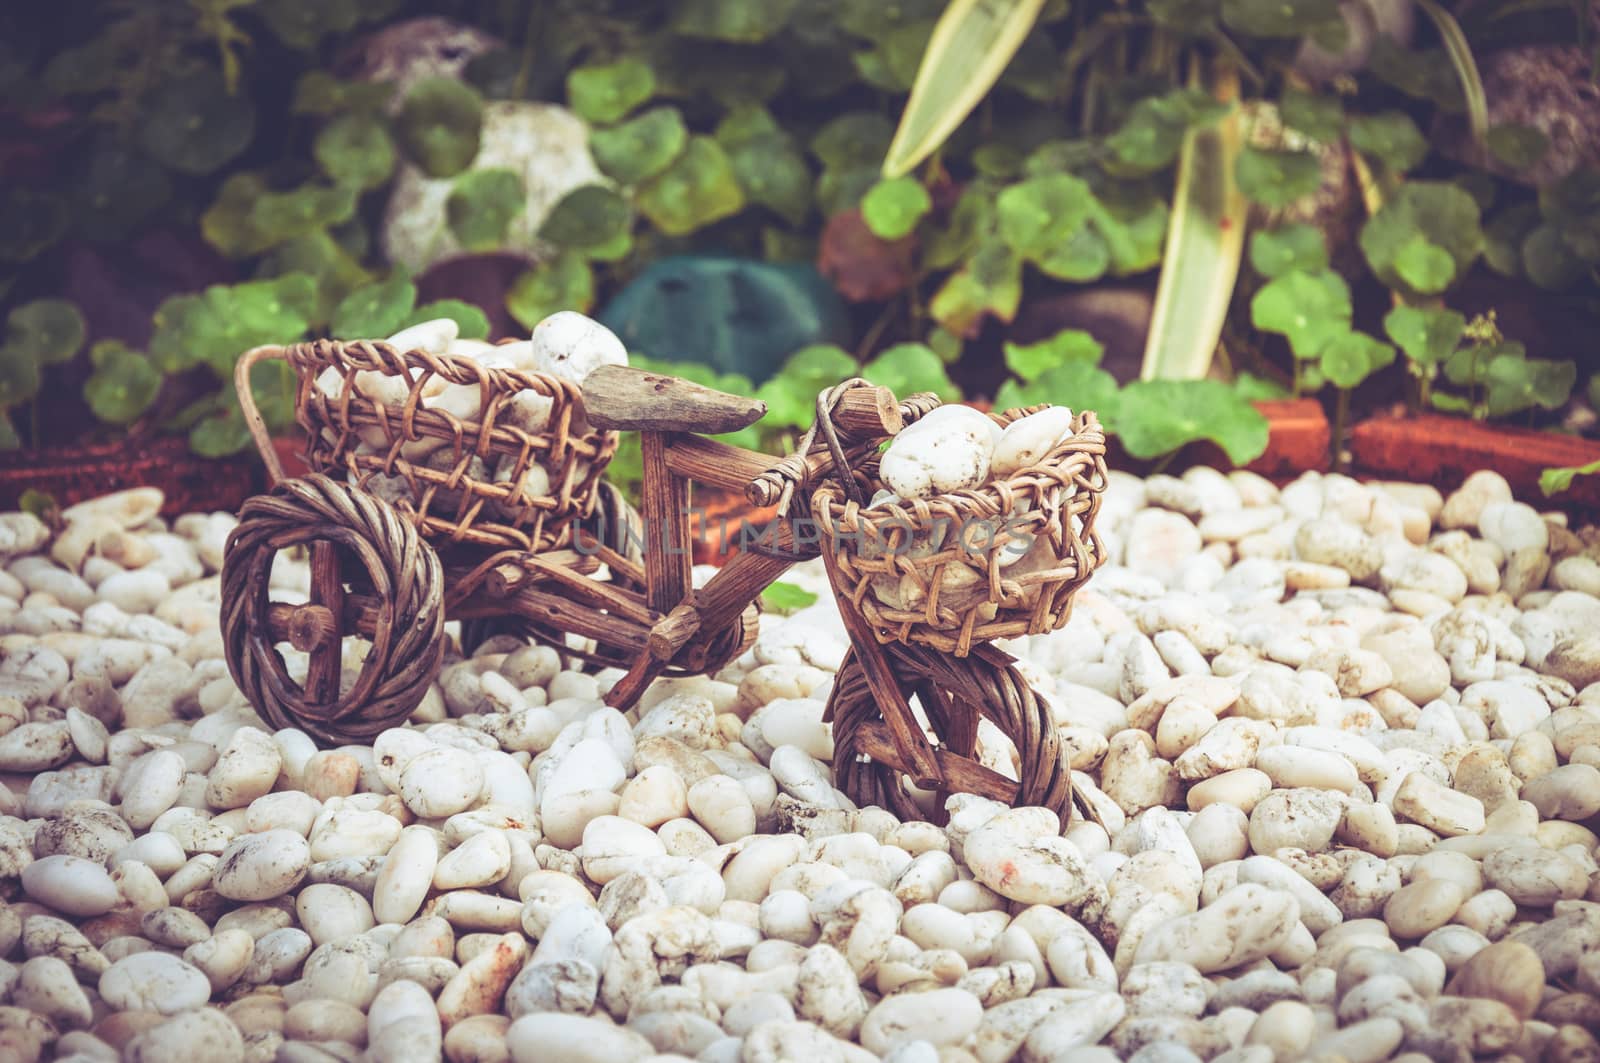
(373, 578)
(954, 692)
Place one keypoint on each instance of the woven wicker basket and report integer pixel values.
(997, 561)
(439, 469)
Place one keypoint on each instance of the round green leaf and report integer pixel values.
(989, 285)
(355, 149)
(1076, 384)
(1033, 360)
(590, 216)
(641, 147)
(1153, 133)
(19, 376)
(605, 92)
(1277, 178)
(122, 387)
(1038, 215)
(791, 396)
(1319, 117)
(481, 206)
(49, 330)
(1156, 417)
(1307, 308)
(1548, 261)
(1391, 137)
(375, 310)
(194, 124)
(472, 321)
(1274, 252)
(439, 125)
(772, 172)
(221, 435)
(563, 283)
(1280, 18)
(1518, 146)
(1425, 266)
(1082, 257)
(909, 368)
(696, 190)
(892, 207)
(858, 138)
(1427, 335)
(1442, 213)
(1348, 359)
(739, 21)
(1515, 383)
(1503, 237)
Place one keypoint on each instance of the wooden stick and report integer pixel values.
(327, 590)
(633, 400)
(710, 462)
(960, 774)
(718, 603)
(868, 413)
(674, 629)
(913, 746)
(667, 546)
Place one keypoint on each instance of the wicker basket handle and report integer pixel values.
(252, 416)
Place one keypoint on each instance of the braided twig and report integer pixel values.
(953, 693)
(408, 630)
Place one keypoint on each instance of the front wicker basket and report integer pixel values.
(1016, 549)
(451, 493)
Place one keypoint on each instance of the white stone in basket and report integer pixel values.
(949, 449)
(569, 345)
(1028, 439)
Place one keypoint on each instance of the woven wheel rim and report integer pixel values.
(408, 640)
(983, 683)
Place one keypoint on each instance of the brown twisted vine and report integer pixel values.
(403, 574)
(953, 693)
(443, 498)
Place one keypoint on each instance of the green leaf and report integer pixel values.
(19, 376)
(767, 163)
(893, 206)
(215, 326)
(1307, 308)
(47, 330)
(1348, 359)
(274, 387)
(222, 435)
(1277, 178)
(641, 147)
(783, 597)
(696, 190)
(1424, 265)
(791, 395)
(1390, 137)
(1280, 18)
(1077, 385)
(1319, 117)
(333, 270)
(1428, 336)
(320, 93)
(1503, 237)
(122, 387)
(1469, 366)
(970, 47)
(1038, 215)
(114, 188)
(356, 149)
(1156, 417)
(1133, 235)
(249, 218)
(473, 322)
(732, 20)
(482, 205)
(1515, 384)
(194, 124)
(439, 125)
(1446, 216)
(1554, 481)
(1083, 257)
(563, 283)
(1296, 246)
(589, 216)
(1252, 388)
(375, 310)
(606, 92)
(1548, 261)
(909, 368)
(990, 283)
(1153, 133)
(1069, 345)
(1518, 146)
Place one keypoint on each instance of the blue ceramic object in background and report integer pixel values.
(737, 315)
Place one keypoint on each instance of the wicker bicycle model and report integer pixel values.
(413, 515)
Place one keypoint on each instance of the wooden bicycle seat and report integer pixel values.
(624, 399)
